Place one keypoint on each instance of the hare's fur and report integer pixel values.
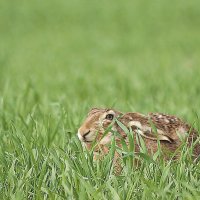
(169, 130)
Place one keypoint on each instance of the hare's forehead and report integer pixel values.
(100, 115)
(93, 117)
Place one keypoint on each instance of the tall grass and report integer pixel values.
(60, 58)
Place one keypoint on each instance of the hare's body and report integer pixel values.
(154, 127)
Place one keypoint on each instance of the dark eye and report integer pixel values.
(109, 116)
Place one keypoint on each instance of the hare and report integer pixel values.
(169, 130)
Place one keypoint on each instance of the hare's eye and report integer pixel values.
(109, 116)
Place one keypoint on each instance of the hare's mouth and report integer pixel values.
(87, 141)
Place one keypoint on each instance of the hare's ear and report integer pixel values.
(152, 136)
(159, 136)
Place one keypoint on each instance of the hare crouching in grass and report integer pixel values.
(169, 130)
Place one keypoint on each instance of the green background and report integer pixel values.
(60, 58)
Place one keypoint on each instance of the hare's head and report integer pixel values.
(95, 125)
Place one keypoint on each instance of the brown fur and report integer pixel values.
(168, 129)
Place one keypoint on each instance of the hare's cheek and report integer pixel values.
(99, 136)
(106, 139)
(105, 124)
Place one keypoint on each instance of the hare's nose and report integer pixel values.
(83, 136)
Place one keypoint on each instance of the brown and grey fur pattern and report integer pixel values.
(169, 130)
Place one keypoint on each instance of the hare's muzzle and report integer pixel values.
(83, 136)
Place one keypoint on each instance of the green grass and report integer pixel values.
(60, 58)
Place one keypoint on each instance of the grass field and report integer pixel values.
(60, 58)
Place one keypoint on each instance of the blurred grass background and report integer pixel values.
(139, 55)
(60, 58)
